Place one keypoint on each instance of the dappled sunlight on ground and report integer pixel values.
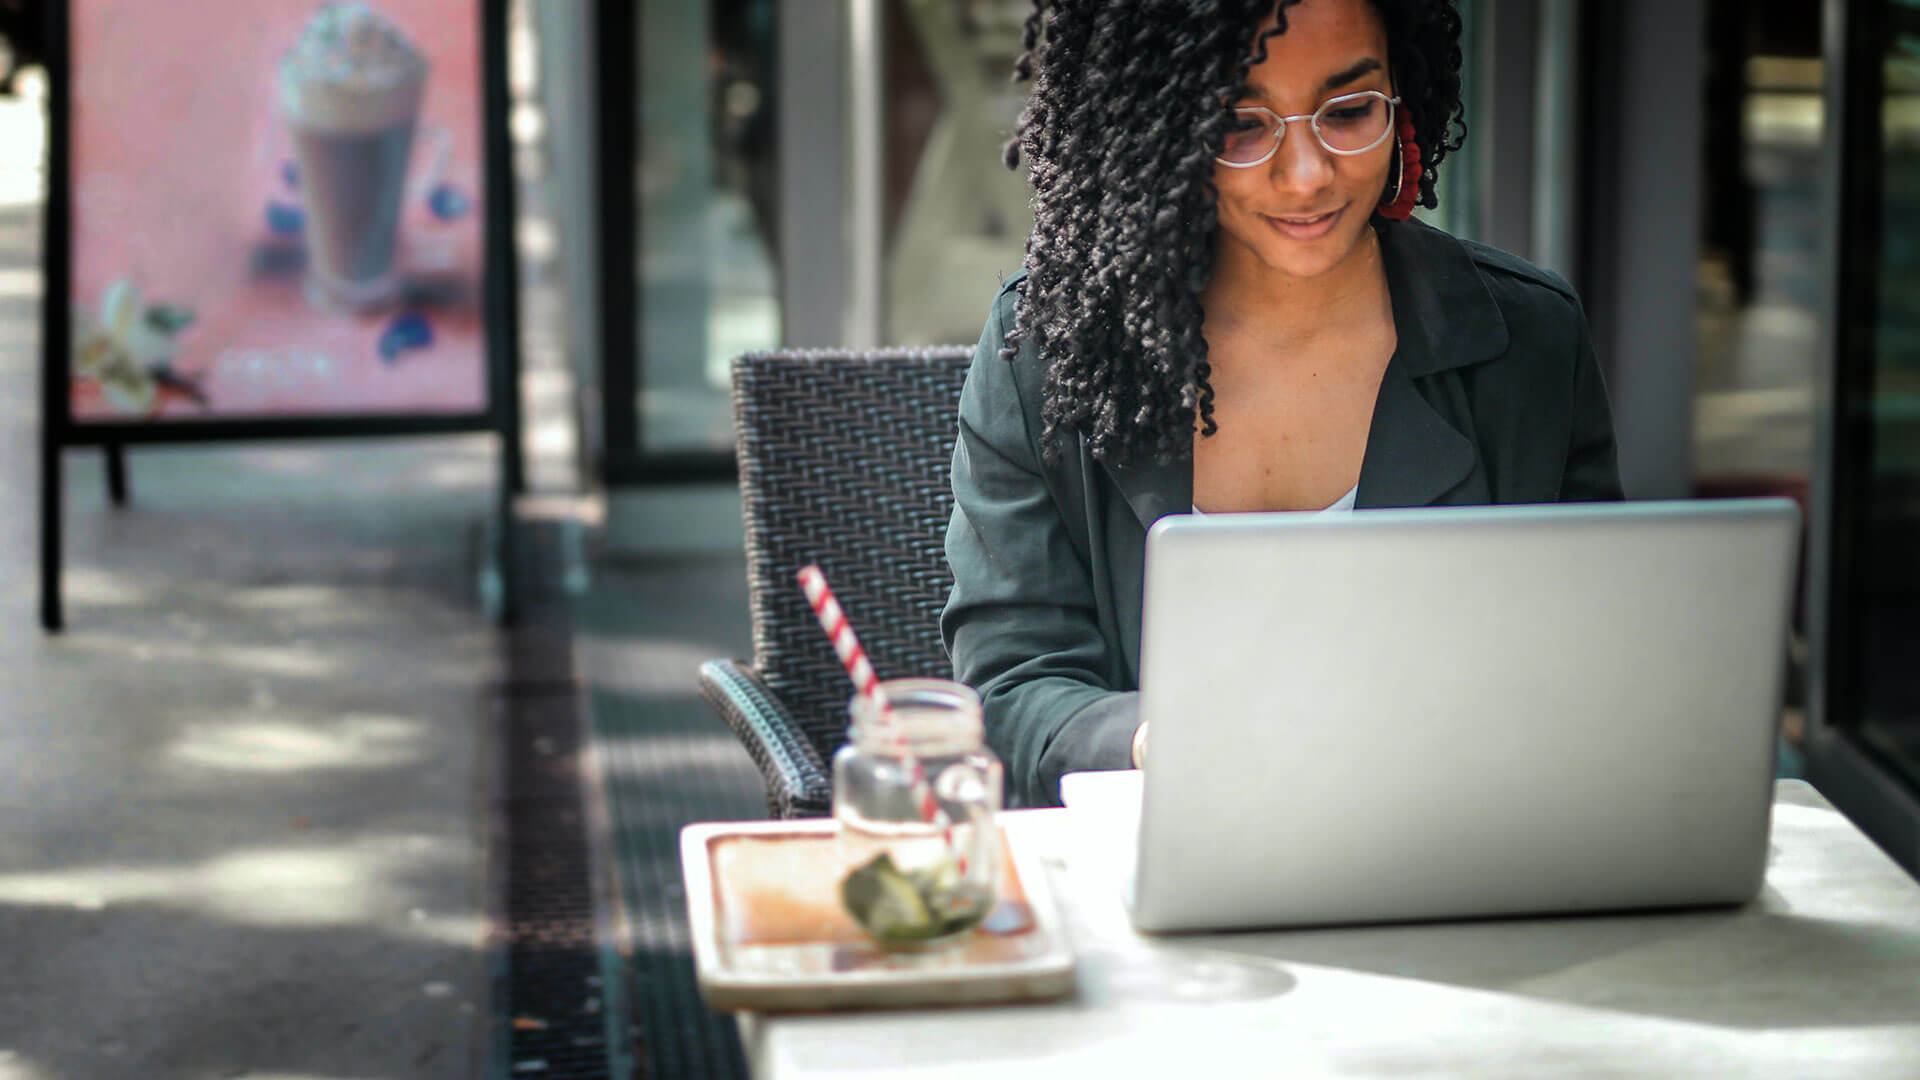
(12, 1068)
(252, 1075)
(316, 607)
(301, 598)
(92, 587)
(248, 743)
(17, 282)
(466, 930)
(285, 661)
(365, 881)
(23, 131)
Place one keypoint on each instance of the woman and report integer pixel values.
(1226, 308)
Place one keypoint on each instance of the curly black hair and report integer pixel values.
(1131, 102)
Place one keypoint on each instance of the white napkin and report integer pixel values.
(1105, 810)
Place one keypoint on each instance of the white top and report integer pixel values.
(1814, 979)
(1341, 505)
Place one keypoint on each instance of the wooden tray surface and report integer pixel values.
(770, 933)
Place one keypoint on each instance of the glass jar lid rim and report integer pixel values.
(931, 710)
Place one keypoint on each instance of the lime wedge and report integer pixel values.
(886, 904)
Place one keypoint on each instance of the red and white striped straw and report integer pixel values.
(854, 659)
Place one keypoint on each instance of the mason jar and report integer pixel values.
(911, 883)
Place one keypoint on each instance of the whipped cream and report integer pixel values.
(352, 69)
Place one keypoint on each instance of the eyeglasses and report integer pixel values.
(1346, 125)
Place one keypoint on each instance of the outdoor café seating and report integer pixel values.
(844, 461)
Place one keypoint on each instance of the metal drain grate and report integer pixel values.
(671, 761)
(665, 758)
(558, 1004)
(560, 1007)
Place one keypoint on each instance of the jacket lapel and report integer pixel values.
(1445, 319)
(1413, 455)
(1155, 490)
(1442, 311)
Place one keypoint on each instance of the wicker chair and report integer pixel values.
(844, 462)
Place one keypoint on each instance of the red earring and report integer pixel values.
(1407, 166)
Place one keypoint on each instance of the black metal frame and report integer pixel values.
(617, 114)
(1596, 239)
(1853, 332)
(1847, 768)
(624, 460)
(59, 430)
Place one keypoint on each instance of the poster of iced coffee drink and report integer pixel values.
(276, 209)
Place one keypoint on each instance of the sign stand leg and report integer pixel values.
(51, 617)
(117, 473)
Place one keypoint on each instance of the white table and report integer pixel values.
(1819, 977)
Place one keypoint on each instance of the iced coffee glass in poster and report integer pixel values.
(276, 209)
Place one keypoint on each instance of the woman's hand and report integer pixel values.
(1140, 745)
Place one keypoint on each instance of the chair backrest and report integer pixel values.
(845, 461)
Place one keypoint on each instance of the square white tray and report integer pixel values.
(1035, 963)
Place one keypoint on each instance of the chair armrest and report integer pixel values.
(798, 784)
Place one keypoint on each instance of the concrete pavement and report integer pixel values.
(242, 817)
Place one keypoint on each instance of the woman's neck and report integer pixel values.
(1254, 303)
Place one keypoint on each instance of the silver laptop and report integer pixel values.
(1445, 713)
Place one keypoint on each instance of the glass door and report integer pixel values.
(1885, 587)
(1867, 759)
(689, 160)
(956, 217)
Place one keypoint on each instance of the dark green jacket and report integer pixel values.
(1493, 396)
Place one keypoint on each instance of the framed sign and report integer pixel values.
(276, 210)
(276, 218)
